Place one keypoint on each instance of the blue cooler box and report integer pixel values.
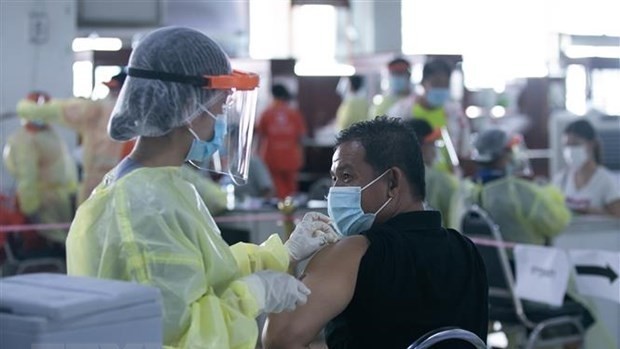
(55, 311)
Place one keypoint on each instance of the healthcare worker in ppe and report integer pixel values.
(434, 105)
(440, 185)
(89, 119)
(45, 173)
(525, 211)
(400, 88)
(146, 223)
(354, 106)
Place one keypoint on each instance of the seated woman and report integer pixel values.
(589, 187)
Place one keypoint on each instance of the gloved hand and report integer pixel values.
(310, 235)
(276, 292)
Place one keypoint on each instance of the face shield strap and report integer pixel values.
(198, 81)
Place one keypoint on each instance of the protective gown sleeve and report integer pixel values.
(24, 159)
(271, 254)
(548, 214)
(74, 113)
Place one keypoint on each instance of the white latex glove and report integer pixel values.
(276, 292)
(310, 235)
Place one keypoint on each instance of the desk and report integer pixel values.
(597, 233)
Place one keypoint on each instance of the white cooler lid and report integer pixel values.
(60, 297)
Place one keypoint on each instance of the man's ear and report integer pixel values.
(395, 181)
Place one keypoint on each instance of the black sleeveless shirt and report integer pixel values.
(415, 277)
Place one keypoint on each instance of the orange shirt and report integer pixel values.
(281, 129)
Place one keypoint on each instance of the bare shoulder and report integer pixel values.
(345, 254)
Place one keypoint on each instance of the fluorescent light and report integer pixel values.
(584, 51)
(82, 79)
(319, 68)
(473, 112)
(498, 111)
(96, 44)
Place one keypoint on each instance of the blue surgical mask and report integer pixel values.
(437, 97)
(344, 206)
(201, 151)
(399, 84)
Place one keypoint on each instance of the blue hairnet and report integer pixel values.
(152, 108)
(490, 145)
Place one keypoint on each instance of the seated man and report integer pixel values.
(397, 274)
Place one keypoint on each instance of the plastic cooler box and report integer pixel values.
(55, 311)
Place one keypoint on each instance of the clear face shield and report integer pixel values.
(234, 126)
(233, 110)
(233, 157)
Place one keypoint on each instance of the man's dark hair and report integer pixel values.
(389, 142)
(280, 92)
(356, 81)
(401, 63)
(421, 128)
(435, 67)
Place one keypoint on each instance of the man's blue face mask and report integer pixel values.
(344, 206)
(201, 151)
(399, 84)
(437, 97)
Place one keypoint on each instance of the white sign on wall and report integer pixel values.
(597, 273)
(541, 273)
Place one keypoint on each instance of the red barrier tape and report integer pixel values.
(226, 219)
(493, 243)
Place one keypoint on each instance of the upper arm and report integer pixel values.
(331, 276)
(77, 113)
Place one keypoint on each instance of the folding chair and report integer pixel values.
(35, 262)
(538, 321)
(448, 333)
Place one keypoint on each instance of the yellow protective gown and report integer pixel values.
(46, 177)
(440, 187)
(525, 212)
(152, 227)
(352, 109)
(210, 192)
(90, 120)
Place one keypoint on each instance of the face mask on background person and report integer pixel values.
(399, 84)
(575, 156)
(201, 151)
(437, 97)
(344, 206)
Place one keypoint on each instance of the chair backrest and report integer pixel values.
(476, 223)
(448, 334)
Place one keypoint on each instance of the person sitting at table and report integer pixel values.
(588, 186)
